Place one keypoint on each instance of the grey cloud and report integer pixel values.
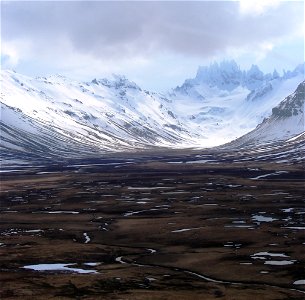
(123, 29)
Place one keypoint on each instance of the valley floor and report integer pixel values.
(153, 229)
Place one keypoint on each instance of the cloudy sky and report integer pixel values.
(155, 43)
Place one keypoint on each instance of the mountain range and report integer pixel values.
(286, 121)
(58, 117)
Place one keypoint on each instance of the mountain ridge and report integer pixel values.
(285, 122)
(115, 114)
(227, 75)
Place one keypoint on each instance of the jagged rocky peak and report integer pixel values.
(117, 81)
(285, 122)
(260, 92)
(300, 69)
(275, 74)
(254, 78)
(292, 105)
(255, 72)
(225, 75)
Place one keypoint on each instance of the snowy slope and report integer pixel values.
(286, 121)
(55, 116)
(226, 110)
(102, 115)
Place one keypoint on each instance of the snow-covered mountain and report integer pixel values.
(285, 122)
(57, 113)
(55, 116)
(227, 103)
(227, 76)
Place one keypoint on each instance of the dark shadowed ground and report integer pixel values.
(161, 228)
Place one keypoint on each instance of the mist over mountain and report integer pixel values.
(286, 121)
(56, 116)
(227, 76)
